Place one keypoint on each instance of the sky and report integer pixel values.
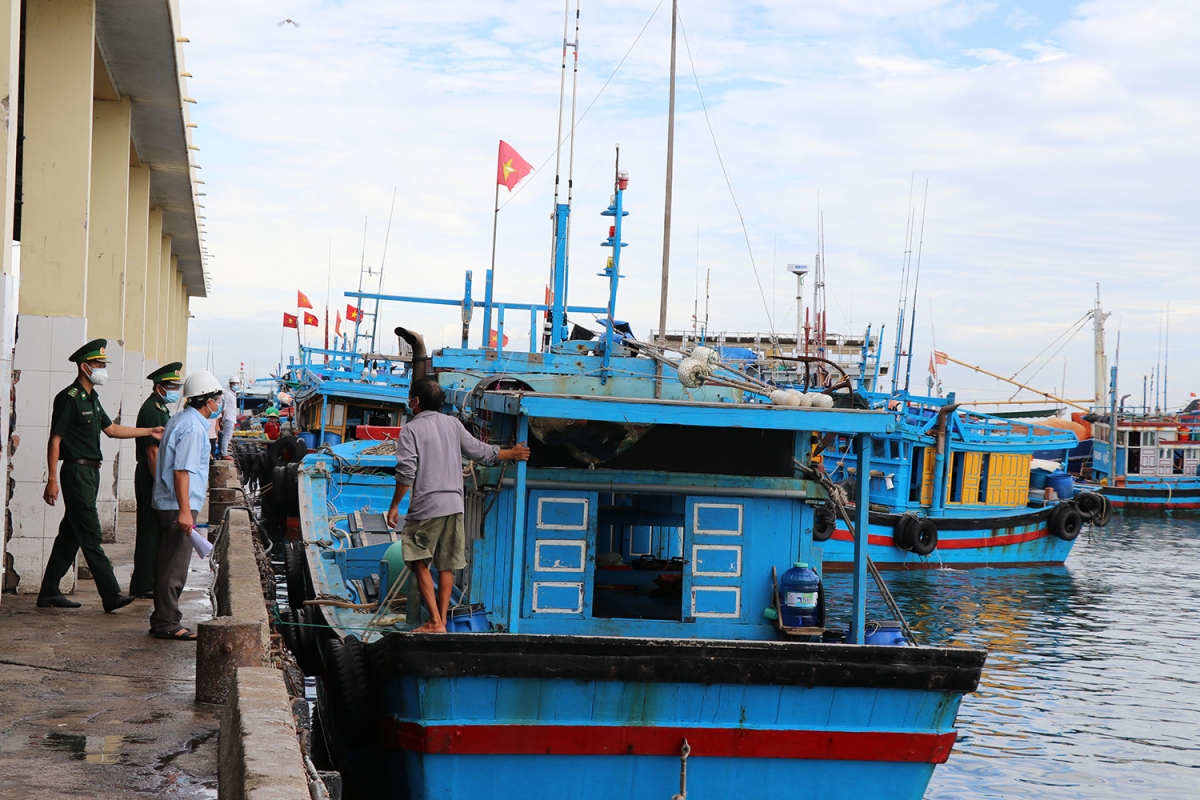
(1059, 141)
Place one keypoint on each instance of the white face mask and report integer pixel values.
(99, 376)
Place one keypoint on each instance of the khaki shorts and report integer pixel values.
(438, 538)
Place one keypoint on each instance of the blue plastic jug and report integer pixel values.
(799, 590)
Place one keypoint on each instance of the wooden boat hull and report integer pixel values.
(521, 716)
(1022, 540)
(1155, 496)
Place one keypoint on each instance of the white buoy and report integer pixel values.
(780, 397)
(821, 400)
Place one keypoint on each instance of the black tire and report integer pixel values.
(279, 491)
(1065, 522)
(295, 573)
(902, 531)
(287, 629)
(1105, 515)
(824, 523)
(307, 652)
(293, 489)
(924, 536)
(285, 450)
(347, 682)
(1090, 505)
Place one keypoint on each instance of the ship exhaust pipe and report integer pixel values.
(420, 357)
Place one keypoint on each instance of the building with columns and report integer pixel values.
(100, 192)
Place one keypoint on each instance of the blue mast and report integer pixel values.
(612, 269)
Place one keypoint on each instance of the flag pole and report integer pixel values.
(491, 277)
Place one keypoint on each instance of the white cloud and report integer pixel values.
(1053, 165)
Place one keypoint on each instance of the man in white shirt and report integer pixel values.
(229, 415)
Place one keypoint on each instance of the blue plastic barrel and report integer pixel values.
(885, 633)
(1062, 484)
(330, 439)
(1037, 478)
(799, 590)
(309, 438)
(468, 619)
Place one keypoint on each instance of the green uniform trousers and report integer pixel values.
(79, 530)
(145, 550)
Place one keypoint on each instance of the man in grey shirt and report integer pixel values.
(429, 454)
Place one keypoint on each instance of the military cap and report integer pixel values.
(92, 351)
(167, 373)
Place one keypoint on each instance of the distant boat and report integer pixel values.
(1157, 464)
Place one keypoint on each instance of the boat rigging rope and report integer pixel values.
(835, 500)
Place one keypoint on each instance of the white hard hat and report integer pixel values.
(200, 383)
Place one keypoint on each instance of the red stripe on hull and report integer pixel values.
(1135, 505)
(610, 740)
(947, 543)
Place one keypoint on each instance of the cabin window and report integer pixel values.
(916, 484)
(1135, 438)
(879, 448)
(337, 415)
(639, 564)
(981, 496)
(1177, 462)
(1122, 437)
(956, 477)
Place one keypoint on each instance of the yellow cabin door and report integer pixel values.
(927, 463)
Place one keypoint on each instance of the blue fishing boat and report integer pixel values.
(619, 632)
(1157, 462)
(957, 488)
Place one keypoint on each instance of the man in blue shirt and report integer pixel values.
(180, 486)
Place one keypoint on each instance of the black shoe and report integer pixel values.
(56, 601)
(143, 595)
(120, 601)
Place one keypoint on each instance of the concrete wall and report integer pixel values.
(97, 258)
(259, 756)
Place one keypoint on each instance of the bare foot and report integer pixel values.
(430, 627)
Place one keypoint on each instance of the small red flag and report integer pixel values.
(932, 366)
(311, 320)
(939, 357)
(302, 300)
(289, 320)
(337, 325)
(353, 314)
(492, 339)
(511, 167)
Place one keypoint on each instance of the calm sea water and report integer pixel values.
(1092, 684)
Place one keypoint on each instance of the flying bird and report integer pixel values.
(291, 22)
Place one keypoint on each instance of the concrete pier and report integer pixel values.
(91, 706)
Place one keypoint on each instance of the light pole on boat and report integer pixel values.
(666, 254)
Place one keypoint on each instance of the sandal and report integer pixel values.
(180, 634)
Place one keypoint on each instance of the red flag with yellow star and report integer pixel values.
(289, 320)
(311, 320)
(511, 168)
(353, 314)
(337, 325)
(302, 300)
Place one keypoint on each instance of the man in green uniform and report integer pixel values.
(75, 427)
(154, 413)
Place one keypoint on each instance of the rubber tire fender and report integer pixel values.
(824, 523)
(1106, 515)
(287, 629)
(292, 496)
(285, 450)
(279, 491)
(307, 652)
(1065, 522)
(924, 536)
(295, 573)
(1090, 505)
(902, 536)
(347, 681)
